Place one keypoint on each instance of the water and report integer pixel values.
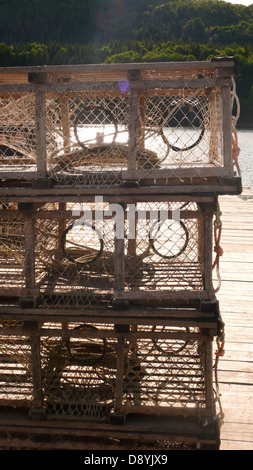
(245, 142)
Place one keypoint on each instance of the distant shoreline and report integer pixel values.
(244, 127)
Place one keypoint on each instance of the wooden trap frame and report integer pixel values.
(108, 335)
(92, 376)
(70, 255)
(112, 334)
(112, 126)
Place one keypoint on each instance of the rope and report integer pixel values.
(235, 148)
(220, 341)
(236, 152)
(217, 248)
(219, 353)
(235, 99)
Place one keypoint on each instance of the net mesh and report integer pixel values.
(181, 127)
(18, 133)
(91, 139)
(16, 387)
(166, 254)
(102, 134)
(81, 373)
(72, 385)
(164, 372)
(74, 266)
(72, 261)
(12, 252)
(181, 130)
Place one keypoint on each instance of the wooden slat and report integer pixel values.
(203, 172)
(40, 101)
(227, 128)
(179, 193)
(191, 65)
(133, 129)
(163, 295)
(29, 242)
(36, 369)
(111, 85)
(236, 303)
(18, 291)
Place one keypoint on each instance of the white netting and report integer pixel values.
(18, 133)
(167, 252)
(185, 128)
(174, 130)
(74, 266)
(91, 139)
(105, 135)
(70, 261)
(12, 253)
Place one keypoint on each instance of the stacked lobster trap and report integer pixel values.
(110, 177)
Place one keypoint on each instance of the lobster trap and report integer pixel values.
(109, 235)
(91, 254)
(107, 375)
(103, 126)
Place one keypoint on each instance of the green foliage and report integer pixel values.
(82, 21)
(194, 30)
(35, 32)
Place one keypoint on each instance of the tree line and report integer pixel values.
(33, 32)
(81, 21)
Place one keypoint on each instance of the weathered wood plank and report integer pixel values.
(167, 66)
(40, 101)
(236, 303)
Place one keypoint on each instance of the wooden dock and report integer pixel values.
(236, 303)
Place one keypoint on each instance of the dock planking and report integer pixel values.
(236, 304)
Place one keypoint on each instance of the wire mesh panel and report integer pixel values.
(12, 253)
(92, 134)
(168, 254)
(56, 257)
(164, 372)
(16, 386)
(85, 371)
(18, 133)
(185, 126)
(77, 375)
(74, 260)
(72, 255)
(173, 131)
(102, 127)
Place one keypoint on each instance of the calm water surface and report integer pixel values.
(245, 142)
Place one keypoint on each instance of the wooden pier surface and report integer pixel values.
(236, 304)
